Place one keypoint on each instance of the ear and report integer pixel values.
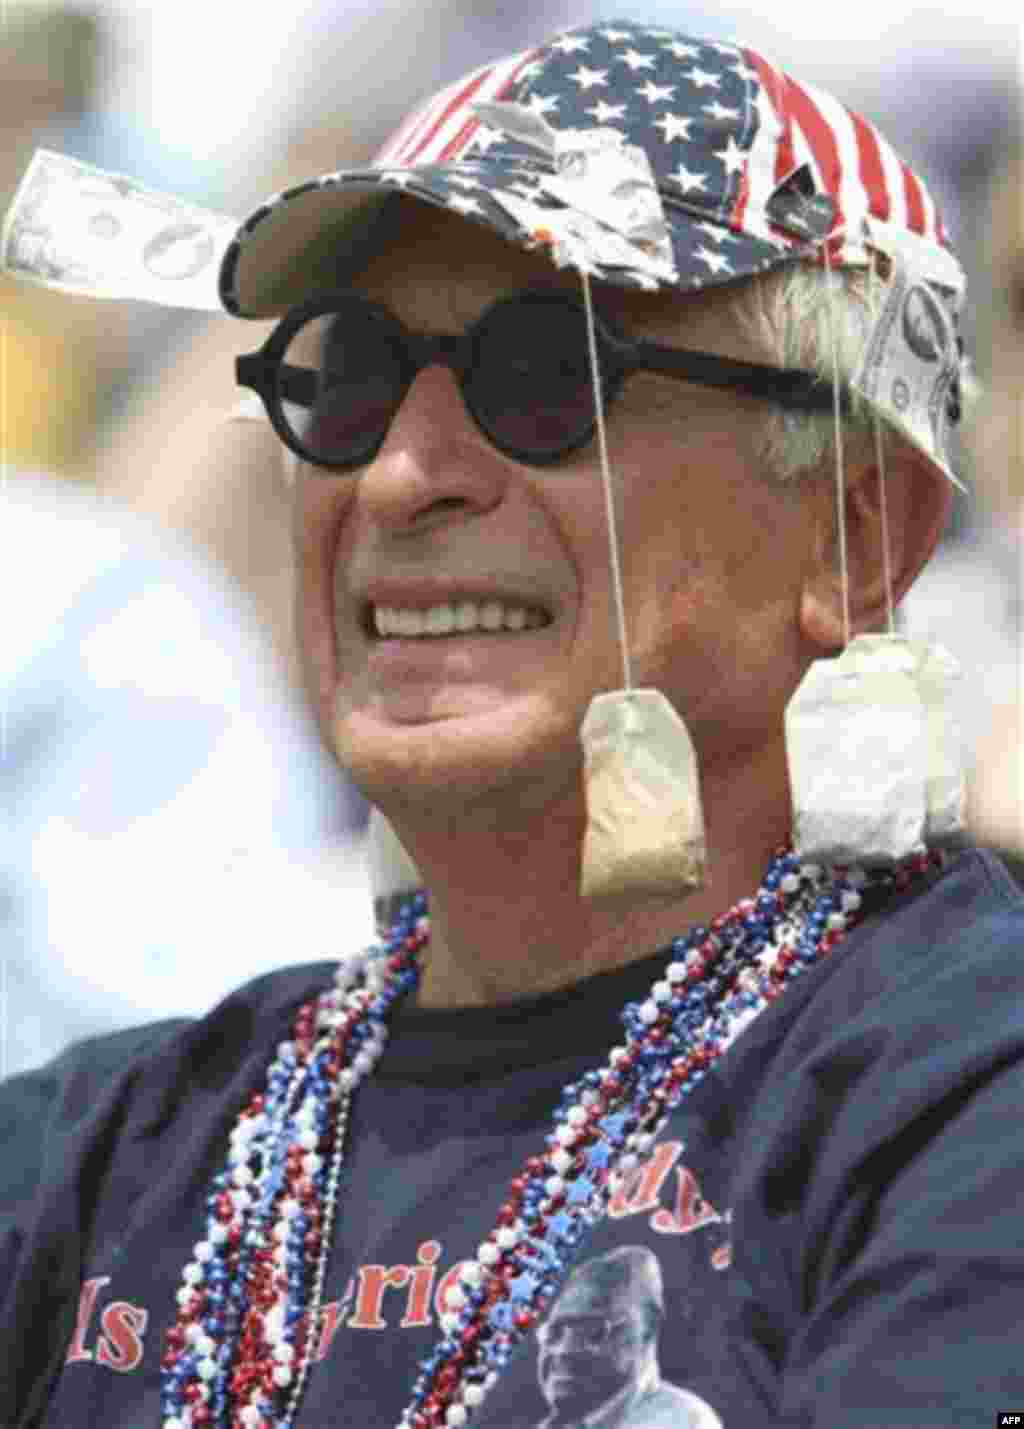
(914, 508)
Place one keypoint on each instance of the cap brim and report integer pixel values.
(319, 235)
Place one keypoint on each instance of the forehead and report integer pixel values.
(588, 1298)
(444, 270)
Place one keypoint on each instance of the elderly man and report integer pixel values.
(581, 447)
(598, 1363)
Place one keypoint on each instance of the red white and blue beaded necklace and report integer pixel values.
(239, 1353)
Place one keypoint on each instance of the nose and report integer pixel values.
(434, 464)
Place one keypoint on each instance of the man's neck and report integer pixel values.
(507, 920)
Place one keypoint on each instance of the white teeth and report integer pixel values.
(440, 620)
(465, 616)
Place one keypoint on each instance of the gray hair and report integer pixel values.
(789, 315)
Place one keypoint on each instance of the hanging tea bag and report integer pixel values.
(645, 826)
(936, 674)
(938, 677)
(856, 746)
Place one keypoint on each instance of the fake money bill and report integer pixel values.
(909, 363)
(80, 229)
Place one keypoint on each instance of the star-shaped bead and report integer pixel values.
(683, 52)
(732, 156)
(655, 93)
(501, 1316)
(614, 37)
(571, 44)
(521, 1287)
(636, 60)
(562, 1224)
(604, 112)
(703, 78)
(598, 1156)
(588, 78)
(614, 1124)
(717, 262)
(542, 103)
(720, 111)
(580, 1191)
(687, 180)
(673, 126)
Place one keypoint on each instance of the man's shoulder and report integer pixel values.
(670, 1407)
(253, 1014)
(919, 1000)
(970, 917)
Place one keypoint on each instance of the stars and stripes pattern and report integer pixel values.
(723, 128)
(440, 130)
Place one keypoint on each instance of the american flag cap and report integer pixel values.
(754, 169)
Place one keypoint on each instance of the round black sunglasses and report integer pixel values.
(336, 369)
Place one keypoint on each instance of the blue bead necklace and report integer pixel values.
(240, 1351)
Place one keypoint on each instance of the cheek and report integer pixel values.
(318, 516)
(624, 1361)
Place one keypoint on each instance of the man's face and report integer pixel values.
(712, 557)
(593, 1347)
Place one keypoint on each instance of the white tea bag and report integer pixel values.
(856, 746)
(645, 825)
(936, 674)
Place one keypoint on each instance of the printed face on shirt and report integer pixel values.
(594, 1346)
(712, 556)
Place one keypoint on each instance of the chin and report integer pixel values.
(447, 763)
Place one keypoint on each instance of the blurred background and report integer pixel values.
(175, 826)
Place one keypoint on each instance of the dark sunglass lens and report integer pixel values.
(340, 384)
(530, 386)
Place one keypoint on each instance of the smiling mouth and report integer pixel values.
(450, 619)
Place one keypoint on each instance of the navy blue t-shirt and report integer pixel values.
(831, 1221)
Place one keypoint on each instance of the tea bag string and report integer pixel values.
(876, 422)
(844, 569)
(606, 482)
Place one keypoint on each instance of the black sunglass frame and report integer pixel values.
(619, 357)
